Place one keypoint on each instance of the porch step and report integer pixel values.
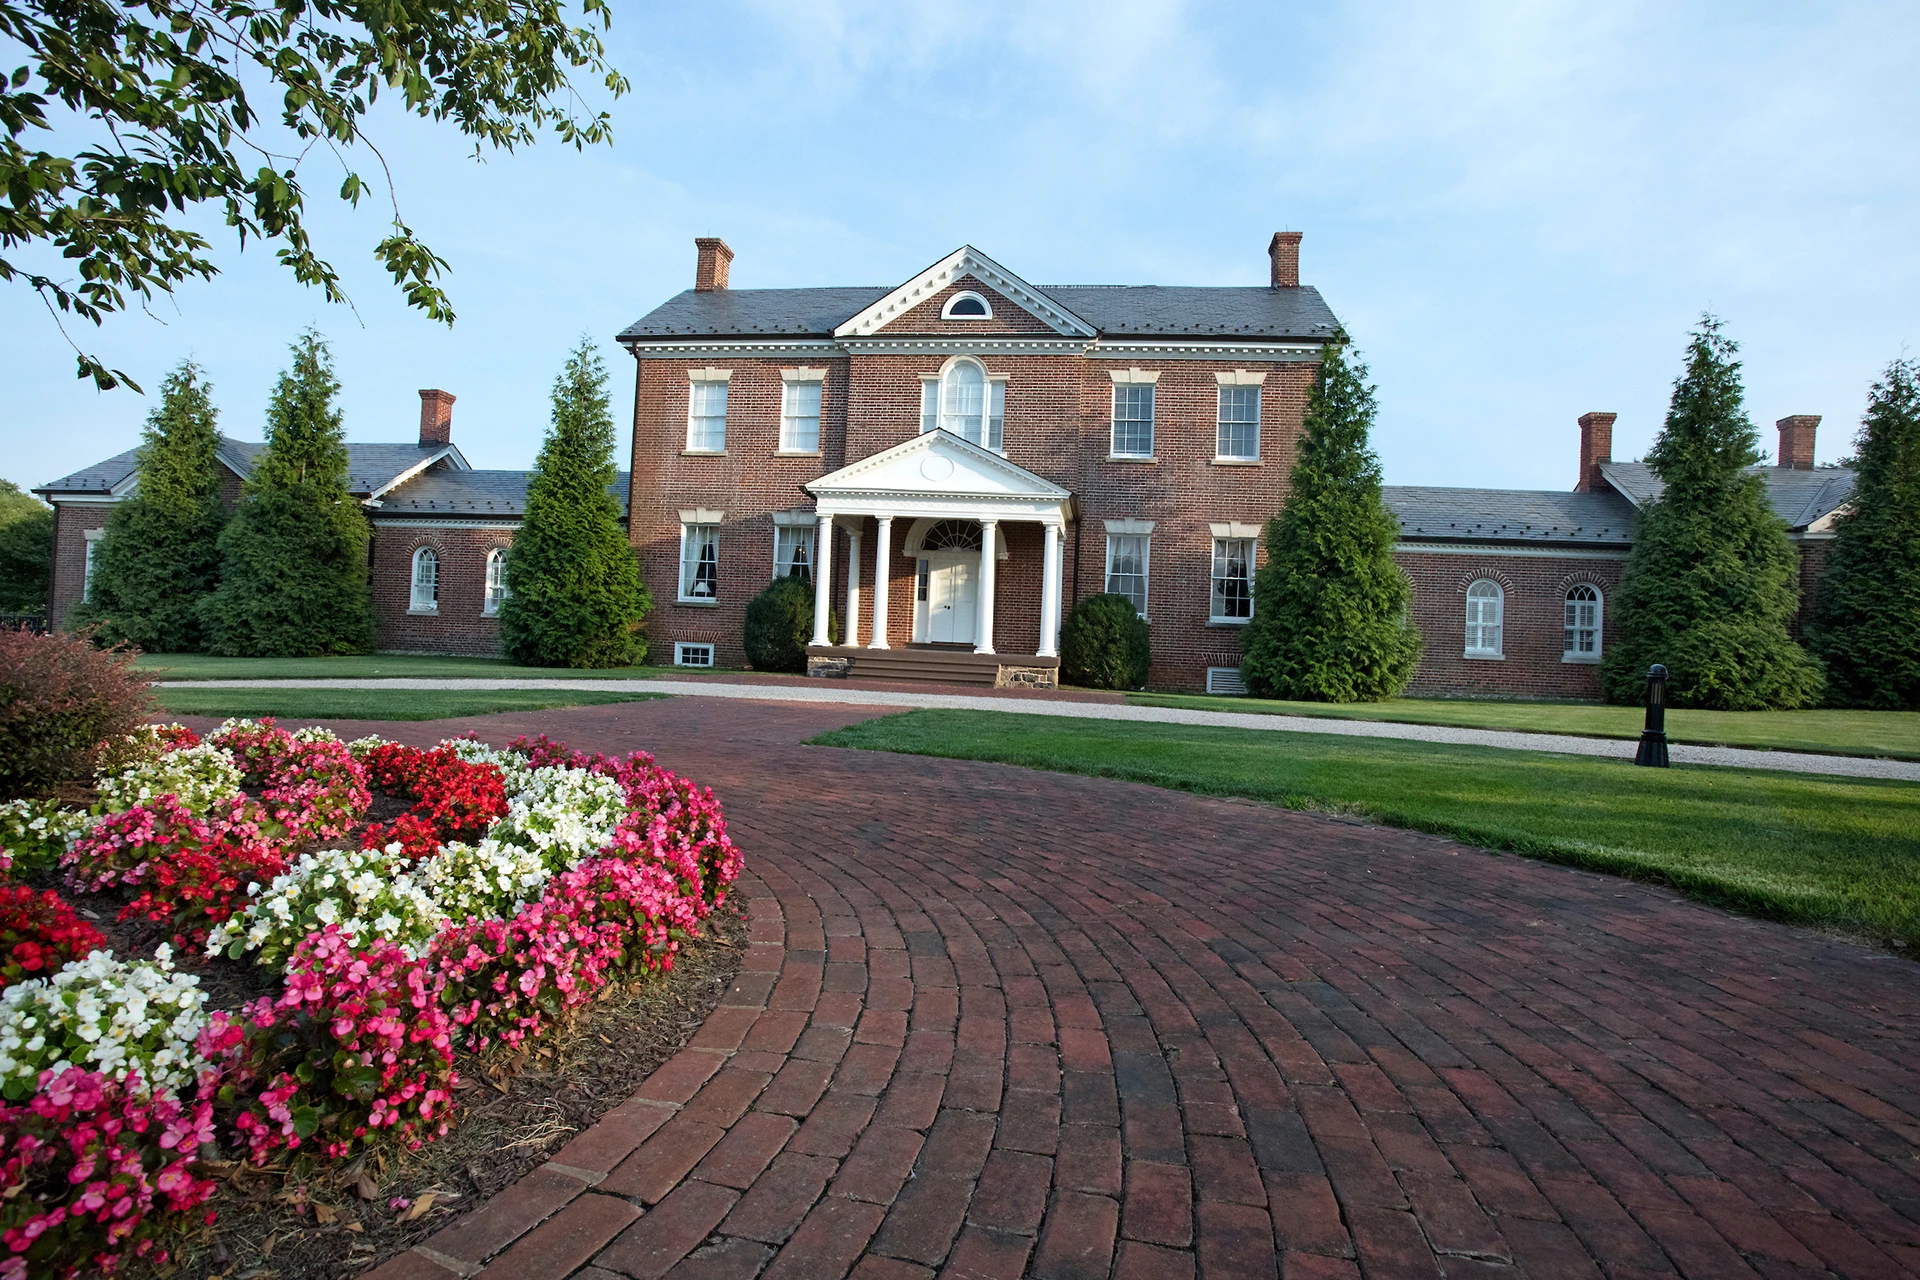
(929, 664)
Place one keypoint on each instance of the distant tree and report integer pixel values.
(1330, 618)
(152, 118)
(26, 550)
(160, 556)
(574, 595)
(293, 559)
(1866, 624)
(1709, 587)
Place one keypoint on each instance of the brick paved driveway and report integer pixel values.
(996, 1021)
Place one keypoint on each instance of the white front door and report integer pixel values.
(952, 592)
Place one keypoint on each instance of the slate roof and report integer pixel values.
(369, 466)
(1114, 310)
(1799, 497)
(1432, 514)
(471, 493)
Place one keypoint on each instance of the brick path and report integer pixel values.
(996, 1021)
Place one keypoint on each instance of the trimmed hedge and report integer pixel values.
(1105, 645)
(779, 626)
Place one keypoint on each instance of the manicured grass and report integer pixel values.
(200, 666)
(1891, 734)
(377, 704)
(1836, 852)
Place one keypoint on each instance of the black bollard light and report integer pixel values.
(1653, 738)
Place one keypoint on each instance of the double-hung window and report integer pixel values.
(1133, 420)
(426, 582)
(1485, 604)
(800, 416)
(1231, 596)
(793, 551)
(1127, 567)
(86, 567)
(966, 401)
(1237, 430)
(496, 581)
(707, 414)
(1582, 624)
(700, 563)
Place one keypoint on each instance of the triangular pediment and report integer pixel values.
(938, 463)
(964, 262)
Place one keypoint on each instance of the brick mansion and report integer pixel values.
(953, 461)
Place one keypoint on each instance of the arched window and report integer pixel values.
(426, 581)
(496, 580)
(1583, 624)
(953, 535)
(966, 306)
(1485, 604)
(965, 401)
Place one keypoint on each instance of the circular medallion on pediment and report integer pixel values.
(936, 468)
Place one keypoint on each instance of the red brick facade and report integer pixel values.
(458, 623)
(71, 521)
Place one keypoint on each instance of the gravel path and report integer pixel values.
(1566, 744)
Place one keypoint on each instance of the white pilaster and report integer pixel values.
(852, 636)
(882, 570)
(988, 530)
(822, 579)
(1050, 595)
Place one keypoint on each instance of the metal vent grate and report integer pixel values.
(1225, 680)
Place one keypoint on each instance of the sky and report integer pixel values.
(1517, 209)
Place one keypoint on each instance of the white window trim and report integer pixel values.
(1242, 378)
(695, 379)
(93, 537)
(810, 529)
(1259, 408)
(1146, 559)
(1132, 378)
(996, 386)
(490, 608)
(1500, 598)
(1253, 556)
(1599, 625)
(680, 648)
(789, 379)
(688, 519)
(413, 582)
(946, 311)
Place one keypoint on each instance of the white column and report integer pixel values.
(852, 636)
(882, 569)
(1050, 595)
(822, 579)
(988, 528)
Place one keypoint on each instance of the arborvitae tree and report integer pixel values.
(293, 560)
(1709, 588)
(574, 595)
(160, 557)
(1866, 624)
(26, 550)
(1330, 617)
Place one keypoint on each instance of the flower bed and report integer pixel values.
(519, 884)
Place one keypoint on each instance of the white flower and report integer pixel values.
(198, 777)
(105, 1015)
(369, 893)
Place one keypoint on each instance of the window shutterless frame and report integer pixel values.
(425, 597)
(800, 417)
(706, 416)
(1237, 428)
(699, 563)
(1132, 420)
(1486, 603)
(1127, 558)
(1230, 590)
(1583, 609)
(496, 581)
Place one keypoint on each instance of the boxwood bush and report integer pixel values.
(780, 626)
(1104, 644)
(62, 703)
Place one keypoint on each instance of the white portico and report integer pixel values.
(956, 499)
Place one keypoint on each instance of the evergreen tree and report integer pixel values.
(293, 560)
(1330, 616)
(574, 595)
(1866, 624)
(26, 550)
(1709, 588)
(160, 556)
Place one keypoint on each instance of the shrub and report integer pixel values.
(779, 626)
(61, 702)
(1104, 644)
(26, 550)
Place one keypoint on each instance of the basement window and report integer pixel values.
(692, 655)
(1226, 680)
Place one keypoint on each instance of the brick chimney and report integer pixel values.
(436, 419)
(1796, 441)
(1596, 448)
(710, 269)
(1284, 250)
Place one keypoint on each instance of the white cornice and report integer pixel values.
(1492, 551)
(742, 349)
(945, 344)
(409, 522)
(1178, 349)
(965, 344)
(961, 263)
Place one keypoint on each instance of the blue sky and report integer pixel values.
(1517, 209)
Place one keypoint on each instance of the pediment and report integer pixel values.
(942, 464)
(964, 263)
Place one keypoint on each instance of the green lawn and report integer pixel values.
(1892, 734)
(377, 704)
(1835, 852)
(200, 666)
